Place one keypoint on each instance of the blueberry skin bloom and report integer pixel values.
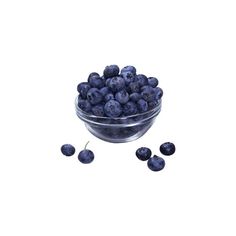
(142, 105)
(152, 81)
(122, 97)
(83, 88)
(94, 96)
(131, 69)
(67, 150)
(143, 153)
(116, 84)
(111, 71)
(113, 108)
(130, 108)
(156, 163)
(167, 148)
(86, 156)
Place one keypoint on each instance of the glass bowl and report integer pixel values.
(120, 129)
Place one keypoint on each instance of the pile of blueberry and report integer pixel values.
(86, 156)
(155, 163)
(118, 93)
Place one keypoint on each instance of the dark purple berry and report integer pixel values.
(167, 148)
(156, 163)
(111, 71)
(143, 153)
(113, 108)
(94, 96)
(122, 97)
(67, 150)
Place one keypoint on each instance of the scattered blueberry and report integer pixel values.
(113, 108)
(111, 71)
(86, 156)
(142, 105)
(152, 81)
(130, 108)
(156, 163)
(67, 150)
(167, 148)
(94, 96)
(122, 97)
(143, 153)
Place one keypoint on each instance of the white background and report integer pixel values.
(47, 48)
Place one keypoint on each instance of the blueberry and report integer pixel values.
(149, 94)
(109, 97)
(116, 84)
(107, 82)
(122, 97)
(98, 110)
(111, 71)
(134, 87)
(159, 93)
(83, 88)
(152, 81)
(141, 79)
(135, 97)
(93, 74)
(84, 105)
(86, 156)
(167, 148)
(104, 91)
(152, 104)
(128, 77)
(67, 150)
(142, 105)
(156, 163)
(145, 87)
(131, 69)
(130, 108)
(143, 153)
(94, 96)
(95, 80)
(113, 108)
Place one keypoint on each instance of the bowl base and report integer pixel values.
(117, 139)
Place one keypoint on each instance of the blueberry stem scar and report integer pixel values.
(86, 145)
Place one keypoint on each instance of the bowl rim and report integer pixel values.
(154, 110)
